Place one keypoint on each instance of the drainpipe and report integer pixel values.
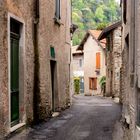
(36, 88)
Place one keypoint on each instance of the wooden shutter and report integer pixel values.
(94, 83)
(98, 63)
(91, 83)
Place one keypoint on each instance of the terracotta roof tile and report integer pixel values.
(95, 34)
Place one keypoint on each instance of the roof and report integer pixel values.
(75, 51)
(109, 29)
(95, 34)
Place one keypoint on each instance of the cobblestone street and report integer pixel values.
(89, 118)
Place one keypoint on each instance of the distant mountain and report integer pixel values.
(93, 14)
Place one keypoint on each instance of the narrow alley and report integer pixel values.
(69, 70)
(89, 118)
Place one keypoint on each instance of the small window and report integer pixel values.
(108, 44)
(127, 41)
(80, 62)
(93, 83)
(98, 63)
(124, 10)
(57, 9)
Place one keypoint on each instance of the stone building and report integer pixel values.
(94, 61)
(35, 45)
(130, 71)
(112, 34)
(77, 64)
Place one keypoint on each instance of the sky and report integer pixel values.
(118, 1)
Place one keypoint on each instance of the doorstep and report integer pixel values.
(14, 128)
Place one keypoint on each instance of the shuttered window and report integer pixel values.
(57, 9)
(98, 60)
(93, 83)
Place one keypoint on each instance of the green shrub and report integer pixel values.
(103, 84)
(77, 85)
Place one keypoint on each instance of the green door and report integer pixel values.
(14, 76)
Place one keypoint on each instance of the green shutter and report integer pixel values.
(14, 80)
(14, 64)
(52, 51)
(14, 70)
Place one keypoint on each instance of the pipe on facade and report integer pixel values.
(36, 88)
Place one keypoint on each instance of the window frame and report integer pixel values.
(80, 63)
(58, 9)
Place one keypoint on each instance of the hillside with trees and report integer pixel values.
(93, 14)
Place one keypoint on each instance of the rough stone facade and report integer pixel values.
(48, 34)
(117, 61)
(130, 69)
(113, 59)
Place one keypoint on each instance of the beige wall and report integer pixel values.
(90, 49)
(76, 64)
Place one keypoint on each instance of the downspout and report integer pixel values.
(36, 88)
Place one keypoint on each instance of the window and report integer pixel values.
(93, 83)
(57, 9)
(108, 43)
(80, 62)
(124, 10)
(98, 63)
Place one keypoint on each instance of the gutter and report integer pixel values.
(36, 89)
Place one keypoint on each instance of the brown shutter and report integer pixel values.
(94, 83)
(98, 63)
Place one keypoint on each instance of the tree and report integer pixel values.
(93, 14)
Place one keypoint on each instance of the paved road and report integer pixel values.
(89, 118)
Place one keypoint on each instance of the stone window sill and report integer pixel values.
(58, 21)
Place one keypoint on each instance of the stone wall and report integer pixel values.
(24, 11)
(49, 34)
(109, 63)
(129, 88)
(57, 36)
(117, 61)
(114, 61)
